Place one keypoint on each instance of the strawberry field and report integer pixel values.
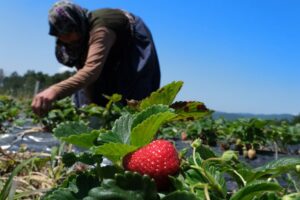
(153, 149)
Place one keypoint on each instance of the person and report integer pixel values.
(112, 50)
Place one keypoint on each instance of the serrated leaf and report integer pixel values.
(126, 186)
(109, 171)
(190, 110)
(182, 195)
(141, 116)
(164, 95)
(75, 187)
(71, 158)
(113, 151)
(85, 182)
(106, 137)
(255, 189)
(84, 140)
(61, 194)
(193, 177)
(67, 129)
(89, 158)
(110, 191)
(120, 132)
(144, 132)
(205, 152)
(122, 128)
(275, 167)
(142, 184)
(216, 180)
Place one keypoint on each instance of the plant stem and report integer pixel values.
(198, 185)
(206, 192)
(293, 182)
(240, 176)
(210, 179)
(194, 157)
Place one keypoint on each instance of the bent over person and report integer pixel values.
(112, 50)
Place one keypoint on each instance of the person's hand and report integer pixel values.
(42, 102)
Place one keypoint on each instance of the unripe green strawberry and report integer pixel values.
(159, 159)
(298, 168)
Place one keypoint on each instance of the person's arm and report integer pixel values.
(100, 42)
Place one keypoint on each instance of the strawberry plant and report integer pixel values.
(65, 110)
(204, 174)
(62, 110)
(9, 110)
(146, 165)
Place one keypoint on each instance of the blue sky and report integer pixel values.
(233, 55)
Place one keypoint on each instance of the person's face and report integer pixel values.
(69, 38)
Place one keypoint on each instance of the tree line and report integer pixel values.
(17, 85)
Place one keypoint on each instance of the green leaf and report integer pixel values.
(216, 179)
(120, 132)
(144, 132)
(182, 195)
(136, 182)
(88, 158)
(205, 152)
(294, 196)
(113, 151)
(190, 110)
(109, 171)
(85, 182)
(84, 140)
(255, 189)
(270, 196)
(69, 159)
(276, 167)
(126, 186)
(164, 95)
(61, 194)
(143, 115)
(67, 129)
(77, 133)
(75, 188)
(122, 128)
(193, 177)
(112, 99)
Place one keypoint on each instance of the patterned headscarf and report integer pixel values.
(66, 17)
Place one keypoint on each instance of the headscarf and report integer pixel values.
(66, 17)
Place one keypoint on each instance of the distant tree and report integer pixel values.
(13, 84)
(24, 86)
(1, 77)
(296, 119)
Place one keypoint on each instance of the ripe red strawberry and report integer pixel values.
(159, 159)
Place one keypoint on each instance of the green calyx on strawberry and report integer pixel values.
(159, 159)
